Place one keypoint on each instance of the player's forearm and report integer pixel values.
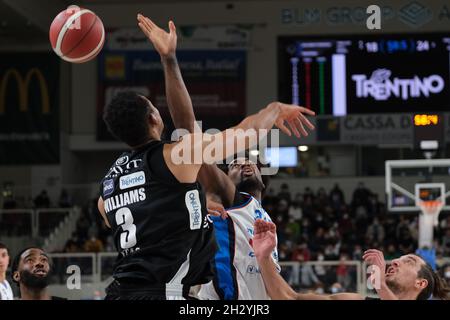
(178, 99)
(385, 293)
(264, 119)
(276, 286)
(250, 131)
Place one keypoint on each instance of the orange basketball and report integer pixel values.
(77, 35)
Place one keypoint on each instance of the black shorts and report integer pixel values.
(135, 290)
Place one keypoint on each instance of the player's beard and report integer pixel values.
(34, 282)
(250, 185)
(395, 287)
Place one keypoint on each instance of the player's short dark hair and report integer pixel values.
(16, 260)
(126, 118)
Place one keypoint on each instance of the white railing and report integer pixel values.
(100, 263)
(96, 271)
(62, 261)
(102, 268)
(360, 277)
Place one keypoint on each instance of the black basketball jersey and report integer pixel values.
(160, 226)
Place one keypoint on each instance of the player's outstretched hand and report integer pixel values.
(375, 259)
(264, 238)
(294, 117)
(164, 42)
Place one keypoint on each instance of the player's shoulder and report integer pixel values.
(241, 200)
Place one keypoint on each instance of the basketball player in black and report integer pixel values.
(153, 203)
(407, 278)
(244, 180)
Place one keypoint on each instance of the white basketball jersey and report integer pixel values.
(6, 291)
(237, 274)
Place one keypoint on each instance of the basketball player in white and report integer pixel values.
(237, 272)
(5, 289)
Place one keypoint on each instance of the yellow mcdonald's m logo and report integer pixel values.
(23, 86)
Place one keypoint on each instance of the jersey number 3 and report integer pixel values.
(124, 218)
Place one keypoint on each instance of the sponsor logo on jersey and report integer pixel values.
(261, 214)
(207, 222)
(125, 199)
(132, 180)
(127, 165)
(253, 269)
(122, 161)
(194, 207)
(108, 187)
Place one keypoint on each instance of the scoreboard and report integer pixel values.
(367, 74)
(428, 131)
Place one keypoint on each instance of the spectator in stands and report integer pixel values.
(65, 200)
(93, 245)
(293, 230)
(346, 227)
(375, 206)
(391, 252)
(31, 271)
(361, 195)
(318, 241)
(306, 228)
(284, 252)
(322, 197)
(9, 201)
(301, 253)
(270, 198)
(295, 211)
(320, 270)
(375, 232)
(331, 252)
(42, 200)
(446, 242)
(308, 279)
(390, 228)
(361, 222)
(336, 288)
(82, 227)
(72, 245)
(308, 197)
(357, 253)
(285, 193)
(342, 272)
(282, 210)
(445, 223)
(446, 274)
(337, 198)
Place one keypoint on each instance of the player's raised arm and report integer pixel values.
(178, 99)
(185, 157)
(213, 179)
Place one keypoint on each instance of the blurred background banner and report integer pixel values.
(213, 63)
(29, 110)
